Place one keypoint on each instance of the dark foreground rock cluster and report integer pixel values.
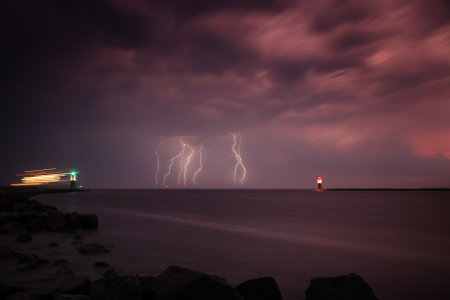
(177, 283)
(21, 213)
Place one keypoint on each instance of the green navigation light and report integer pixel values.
(73, 173)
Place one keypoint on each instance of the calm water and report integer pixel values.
(399, 242)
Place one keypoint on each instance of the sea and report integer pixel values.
(398, 241)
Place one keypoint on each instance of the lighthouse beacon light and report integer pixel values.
(73, 178)
(319, 182)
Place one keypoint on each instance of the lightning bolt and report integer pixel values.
(157, 163)
(181, 161)
(171, 163)
(201, 166)
(237, 155)
(185, 166)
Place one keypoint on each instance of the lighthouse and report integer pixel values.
(319, 185)
(73, 178)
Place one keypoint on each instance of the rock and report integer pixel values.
(261, 288)
(100, 264)
(7, 253)
(9, 290)
(32, 259)
(118, 287)
(55, 222)
(75, 221)
(147, 288)
(181, 283)
(36, 206)
(65, 270)
(205, 287)
(60, 262)
(20, 207)
(93, 249)
(53, 245)
(27, 267)
(6, 228)
(50, 208)
(71, 286)
(36, 224)
(24, 237)
(78, 238)
(89, 221)
(108, 273)
(70, 297)
(347, 287)
(26, 217)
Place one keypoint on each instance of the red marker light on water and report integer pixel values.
(167, 187)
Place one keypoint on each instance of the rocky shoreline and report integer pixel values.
(22, 217)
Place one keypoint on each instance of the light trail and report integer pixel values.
(157, 163)
(237, 155)
(185, 166)
(201, 166)
(171, 163)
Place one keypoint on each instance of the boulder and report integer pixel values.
(50, 208)
(147, 287)
(6, 228)
(89, 221)
(60, 262)
(53, 245)
(8, 290)
(32, 259)
(55, 222)
(71, 286)
(119, 286)
(24, 237)
(7, 253)
(27, 267)
(92, 249)
(26, 217)
(205, 287)
(346, 287)
(100, 264)
(75, 221)
(78, 238)
(181, 283)
(36, 224)
(261, 288)
(20, 207)
(65, 270)
(108, 273)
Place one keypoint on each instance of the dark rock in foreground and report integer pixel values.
(7, 253)
(101, 264)
(93, 249)
(24, 237)
(8, 290)
(32, 259)
(181, 283)
(347, 287)
(120, 286)
(72, 286)
(20, 213)
(261, 288)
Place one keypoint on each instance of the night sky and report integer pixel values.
(357, 92)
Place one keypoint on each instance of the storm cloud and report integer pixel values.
(357, 92)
